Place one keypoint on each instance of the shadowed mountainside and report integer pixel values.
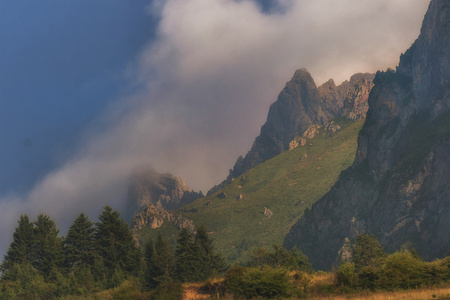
(398, 185)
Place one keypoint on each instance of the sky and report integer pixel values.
(92, 90)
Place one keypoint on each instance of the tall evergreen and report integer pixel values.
(20, 249)
(210, 262)
(115, 243)
(47, 246)
(187, 258)
(150, 271)
(164, 260)
(79, 243)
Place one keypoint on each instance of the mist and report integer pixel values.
(202, 89)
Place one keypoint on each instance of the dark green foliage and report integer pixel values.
(164, 261)
(25, 282)
(367, 251)
(83, 281)
(368, 277)
(402, 270)
(20, 250)
(267, 282)
(149, 257)
(127, 290)
(187, 258)
(346, 276)
(115, 244)
(280, 257)
(167, 291)
(208, 261)
(47, 247)
(79, 248)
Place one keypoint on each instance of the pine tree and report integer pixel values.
(187, 258)
(209, 261)
(47, 246)
(79, 243)
(150, 270)
(164, 260)
(116, 245)
(20, 249)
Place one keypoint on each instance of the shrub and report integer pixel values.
(126, 290)
(264, 281)
(437, 271)
(346, 276)
(367, 277)
(367, 251)
(167, 291)
(402, 270)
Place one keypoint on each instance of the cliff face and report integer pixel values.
(398, 185)
(164, 191)
(300, 105)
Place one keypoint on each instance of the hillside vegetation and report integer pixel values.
(259, 207)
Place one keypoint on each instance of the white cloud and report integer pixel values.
(209, 78)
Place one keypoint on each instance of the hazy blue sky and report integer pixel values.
(90, 90)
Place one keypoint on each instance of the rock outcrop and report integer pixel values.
(165, 191)
(300, 105)
(152, 216)
(398, 187)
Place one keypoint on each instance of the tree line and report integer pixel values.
(96, 256)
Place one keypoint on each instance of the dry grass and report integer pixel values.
(202, 290)
(322, 278)
(439, 293)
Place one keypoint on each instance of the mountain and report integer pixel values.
(148, 189)
(398, 187)
(259, 207)
(300, 105)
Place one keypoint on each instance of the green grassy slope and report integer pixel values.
(287, 185)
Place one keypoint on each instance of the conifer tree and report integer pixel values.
(209, 261)
(79, 243)
(187, 258)
(115, 244)
(164, 260)
(47, 246)
(150, 272)
(20, 249)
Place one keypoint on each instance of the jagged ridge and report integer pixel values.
(398, 186)
(300, 105)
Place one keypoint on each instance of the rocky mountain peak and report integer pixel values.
(165, 191)
(299, 105)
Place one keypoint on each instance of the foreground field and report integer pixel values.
(441, 293)
(319, 283)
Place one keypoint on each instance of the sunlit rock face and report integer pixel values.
(398, 185)
(300, 105)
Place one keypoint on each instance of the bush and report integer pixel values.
(402, 270)
(346, 276)
(126, 290)
(167, 291)
(437, 271)
(367, 277)
(265, 282)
